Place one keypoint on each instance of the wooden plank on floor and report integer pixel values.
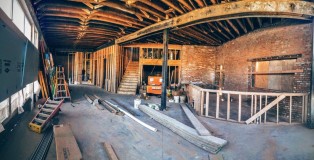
(66, 145)
(201, 130)
(208, 143)
(110, 152)
(215, 157)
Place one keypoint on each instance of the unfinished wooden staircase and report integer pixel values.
(129, 81)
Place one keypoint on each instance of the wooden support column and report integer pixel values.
(310, 119)
(164, 70)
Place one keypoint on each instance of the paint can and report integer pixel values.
(176, 99)
(137, 102)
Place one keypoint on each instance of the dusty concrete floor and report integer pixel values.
(130, 140)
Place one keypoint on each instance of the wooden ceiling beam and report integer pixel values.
(259, 20)
(157, 14)
(186, 5)
(250, 23)
(239, 9)
(241, 25)
(233, 27)
(171, 5)
(219, 31)
(200, 3)
(225, 28)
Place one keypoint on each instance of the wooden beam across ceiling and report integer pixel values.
(241, 9)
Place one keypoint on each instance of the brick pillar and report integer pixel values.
(311, 107)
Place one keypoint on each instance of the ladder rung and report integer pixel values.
(53, 102)
(60, 97)
(51, 105)
(39, 120)
(47, 110)
(43, 115)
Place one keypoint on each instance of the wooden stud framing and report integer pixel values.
(207, 104)
(239, 108)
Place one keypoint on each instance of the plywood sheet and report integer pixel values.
(66, 145)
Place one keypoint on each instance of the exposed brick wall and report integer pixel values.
(275, 41)
(281, 40)
(198, 64)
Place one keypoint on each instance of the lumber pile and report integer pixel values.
(66, 145)
(201, 130)
(209, 143)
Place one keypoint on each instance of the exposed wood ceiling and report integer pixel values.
(88, 24)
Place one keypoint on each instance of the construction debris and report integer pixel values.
(134, 118)
(66, 145)
(108, 107)
(126, 108)
(110, 152)
(201, 130)
(208, 143)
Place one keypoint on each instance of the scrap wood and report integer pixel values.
(125, 107)
(107, 106)
(215, 157)
(110, 152)
(88, 99)
(201, 130)
(134, 118)
(208, 143)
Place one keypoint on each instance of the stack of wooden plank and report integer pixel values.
(209, 143)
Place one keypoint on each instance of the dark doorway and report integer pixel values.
(135, 52)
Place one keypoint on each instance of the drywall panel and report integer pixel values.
(15, 52)
(31, 65)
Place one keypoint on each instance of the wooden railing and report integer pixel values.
(248, 107)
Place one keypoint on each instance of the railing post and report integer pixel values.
(303, 102)
(290, 109)
(277, 112)
(260, 107)
(239, 113)
(202, 103)
(228, 107)
(266, 111)
(217, 105)
(207, 103)
(255, 105)
(252, 99)
(305, 108)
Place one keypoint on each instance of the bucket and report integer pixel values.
(176, 99)
(137, 102)
(182, 99)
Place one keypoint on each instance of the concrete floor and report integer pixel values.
(130, 140)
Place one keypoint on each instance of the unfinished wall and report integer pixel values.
(106, 67)
(198, 64)
(281, 40)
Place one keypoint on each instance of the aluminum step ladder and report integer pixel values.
(49, 109)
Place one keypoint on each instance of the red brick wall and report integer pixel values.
(198, 64)
(280, 40)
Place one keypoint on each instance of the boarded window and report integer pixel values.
(268, 75)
